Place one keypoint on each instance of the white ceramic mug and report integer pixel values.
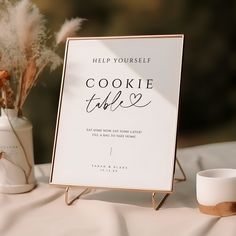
(216, 191)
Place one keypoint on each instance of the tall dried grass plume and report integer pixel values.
(24, 49)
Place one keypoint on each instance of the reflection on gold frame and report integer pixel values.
(155, 204)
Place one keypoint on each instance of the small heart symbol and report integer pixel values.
(134, 98)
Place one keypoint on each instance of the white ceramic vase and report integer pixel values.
(16, 153)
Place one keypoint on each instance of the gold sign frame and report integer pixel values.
(155, 204)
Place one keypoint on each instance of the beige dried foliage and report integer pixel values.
(68, 29)
(24, 52)
(30, 25)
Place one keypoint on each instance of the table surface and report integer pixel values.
(120, 213)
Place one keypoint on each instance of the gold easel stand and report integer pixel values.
(155, 204)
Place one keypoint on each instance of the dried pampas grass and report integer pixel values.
(68, 29)
(24, 52)
(30, 25)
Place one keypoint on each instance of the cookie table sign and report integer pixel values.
(117, 116)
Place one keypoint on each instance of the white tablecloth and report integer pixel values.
(119, 213)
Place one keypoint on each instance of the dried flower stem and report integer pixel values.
(22, 146)
(2, 156)
(26, 82)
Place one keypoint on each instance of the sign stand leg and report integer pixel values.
(156, 205)
(71, 201)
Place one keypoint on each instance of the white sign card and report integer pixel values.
(118, 110)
